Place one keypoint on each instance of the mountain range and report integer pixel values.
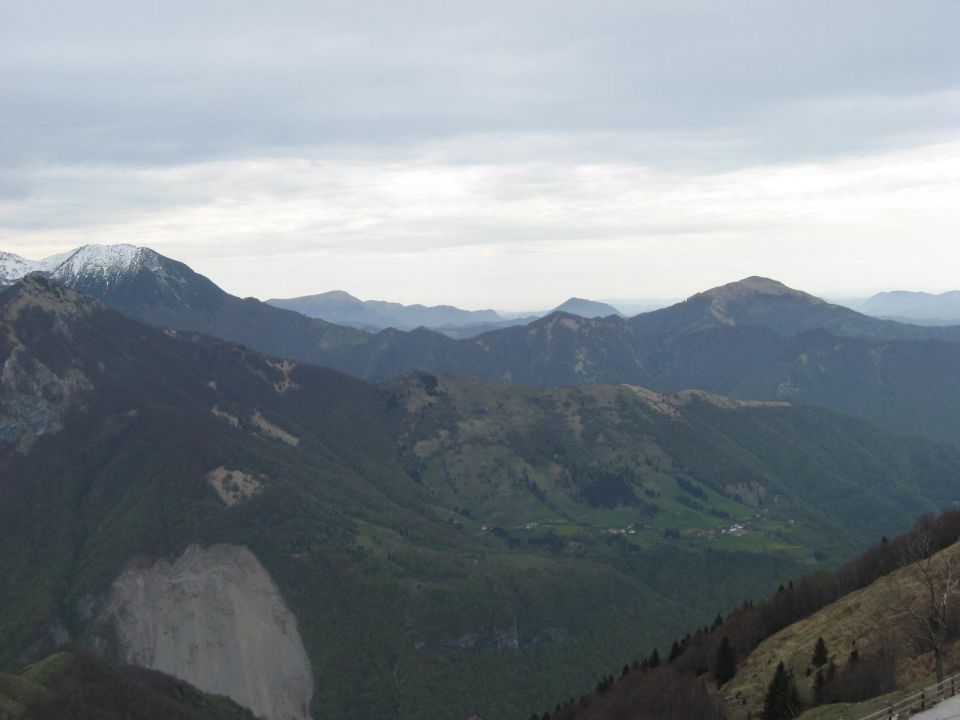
(918, 307)
(433, 545)
(343, 308)
(752, 339)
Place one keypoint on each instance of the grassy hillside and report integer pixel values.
(848, 640)
(77, 684)
(871, 620)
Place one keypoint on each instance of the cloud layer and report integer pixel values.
(494, 153)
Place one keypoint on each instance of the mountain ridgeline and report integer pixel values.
(923, 308)
(432, 546)
(343, 308)
(753, 339)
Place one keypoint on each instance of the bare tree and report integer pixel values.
(932, 603)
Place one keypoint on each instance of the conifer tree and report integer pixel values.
(781, 701)
(820, 653)
(654, 660)
(674, 651)
(726, 662)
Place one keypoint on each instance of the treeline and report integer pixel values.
(677, 688)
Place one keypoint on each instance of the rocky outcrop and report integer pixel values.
(34, 400)
(214, 618)
(234, 486)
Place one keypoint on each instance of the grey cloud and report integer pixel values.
(120, 82)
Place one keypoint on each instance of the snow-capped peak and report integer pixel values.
(87, 262)
(98, 260)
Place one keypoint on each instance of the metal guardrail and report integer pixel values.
(923, 700)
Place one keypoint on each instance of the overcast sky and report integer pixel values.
(490, 154)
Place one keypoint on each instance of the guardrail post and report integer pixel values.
(923, 699)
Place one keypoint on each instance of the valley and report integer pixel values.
(436, 526)
(422, 532)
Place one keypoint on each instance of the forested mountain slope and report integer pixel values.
(434, 544)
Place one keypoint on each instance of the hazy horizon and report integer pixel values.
(621, 303)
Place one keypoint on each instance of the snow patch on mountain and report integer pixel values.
(102, 262)
(13, 267)
(89, 262)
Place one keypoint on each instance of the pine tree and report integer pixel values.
(654, 659)
(781, 701)
(820, 654)
(726, 662)
(674, 651)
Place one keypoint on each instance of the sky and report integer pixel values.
(490, 154)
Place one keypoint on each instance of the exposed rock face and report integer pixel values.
(34, 400)
(215, 619)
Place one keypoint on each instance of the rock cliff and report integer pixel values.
(215, 618)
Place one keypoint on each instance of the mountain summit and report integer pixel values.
(761, 301)
(754, 286)
(152, 288)
(86, 263)
(586, 308)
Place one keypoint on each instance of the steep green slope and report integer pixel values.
(418, 588)
(75, 684)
